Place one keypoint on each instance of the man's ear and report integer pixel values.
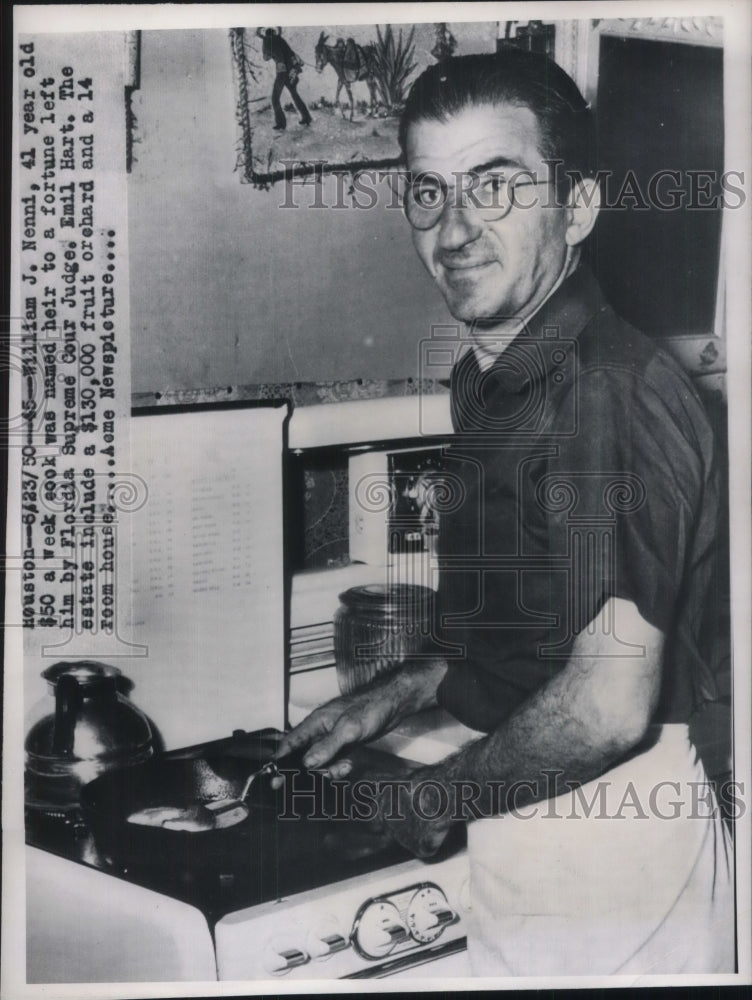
(582, 211)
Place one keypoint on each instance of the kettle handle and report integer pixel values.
(67, 702)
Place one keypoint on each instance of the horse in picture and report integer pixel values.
(352, 63)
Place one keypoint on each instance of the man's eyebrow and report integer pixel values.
(497, 161)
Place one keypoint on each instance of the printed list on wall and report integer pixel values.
(208, 586)
(70, 343)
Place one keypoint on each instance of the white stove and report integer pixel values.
(84, 926)
(89, 920)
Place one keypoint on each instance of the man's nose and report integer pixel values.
(459, 225)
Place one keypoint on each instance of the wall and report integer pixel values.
(226, 288)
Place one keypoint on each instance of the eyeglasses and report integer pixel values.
(492, 195)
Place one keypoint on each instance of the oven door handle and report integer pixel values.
(411, 960)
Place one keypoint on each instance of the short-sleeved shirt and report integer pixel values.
(583, 468)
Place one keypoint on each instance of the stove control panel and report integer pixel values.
(382, 924)
(395, 922)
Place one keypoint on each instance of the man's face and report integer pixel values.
(489, 270)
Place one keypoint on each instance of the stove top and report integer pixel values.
(299, 838)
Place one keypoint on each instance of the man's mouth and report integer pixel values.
(465, 265)
(462, 272)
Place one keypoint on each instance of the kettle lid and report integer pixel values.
(88, 673)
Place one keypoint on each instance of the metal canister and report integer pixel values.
(376, 628)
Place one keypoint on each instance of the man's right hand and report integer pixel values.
(353, 718)
(362, 716)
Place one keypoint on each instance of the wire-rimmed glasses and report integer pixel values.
(491, 194)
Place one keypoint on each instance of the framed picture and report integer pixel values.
(328, 98)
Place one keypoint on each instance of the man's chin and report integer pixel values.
(474, 314)
(474, 308)
(463, 315)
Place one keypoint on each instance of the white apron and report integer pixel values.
(621, 892)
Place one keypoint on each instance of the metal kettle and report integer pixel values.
(93, 728)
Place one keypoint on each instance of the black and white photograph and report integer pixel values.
(377, 573)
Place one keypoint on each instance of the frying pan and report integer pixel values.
(110, 799)
(263, 842)
(263, 857)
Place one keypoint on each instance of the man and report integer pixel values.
(573, 564)
(288, 66)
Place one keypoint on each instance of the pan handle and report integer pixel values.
(269, 768)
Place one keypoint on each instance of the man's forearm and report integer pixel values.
(577, 726)
(573, 729)
(523, 758)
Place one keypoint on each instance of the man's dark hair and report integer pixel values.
(510, 76)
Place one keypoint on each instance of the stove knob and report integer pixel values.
(378, 929)
(281, 960)
(326, 938)
(395, 933)
(324, 945)
(429, 913)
